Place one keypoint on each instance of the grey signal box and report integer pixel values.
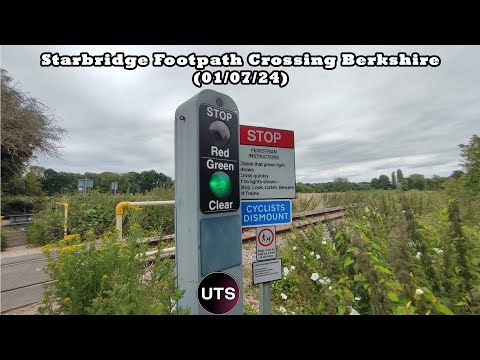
(208, 235)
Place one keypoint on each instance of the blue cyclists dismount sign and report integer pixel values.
(266, 212)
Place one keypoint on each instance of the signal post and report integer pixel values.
(208, 235)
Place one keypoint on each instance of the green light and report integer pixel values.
(220, 184)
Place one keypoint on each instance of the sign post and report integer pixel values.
(114, 186)
(266, 250)
(84, 184)
(265, 299)
(267, 183)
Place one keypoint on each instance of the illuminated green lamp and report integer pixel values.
(220, 184)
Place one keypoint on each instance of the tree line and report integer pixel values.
(40, 181)
(414, 181)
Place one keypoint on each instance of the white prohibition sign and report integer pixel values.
(266, 243)
(265, 237)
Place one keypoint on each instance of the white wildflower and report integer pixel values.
(403, 211)
(367, 209)
(418, 255)
(324, 242)
(315, 276)
(418, 292)
(282, 310)
(330, 287)
(358, 298)
(312, 253)
(294, 248)
(304, 257)
(324, 281)
(293, 313)
(285, 271)
(364, 216)
(284, 297)
(292, 267)
(353, 311)
(317, 256)
(438, 251)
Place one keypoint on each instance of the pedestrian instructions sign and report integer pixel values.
(266, 243)
(265, 271)
(266, 212)
(267, 163)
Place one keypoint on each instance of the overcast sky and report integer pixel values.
(355, 122)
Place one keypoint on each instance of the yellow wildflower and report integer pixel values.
(105, 276)
(70, 237)
(66, 299)
(136, 208)
(46, 247)
(89, 233)
(136, 226)
(69, 248)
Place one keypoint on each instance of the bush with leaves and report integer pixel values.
(108, 277)
(4, 235)
(394, 253)
(96, 212)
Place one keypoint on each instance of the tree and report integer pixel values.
(28, 128)
(32, 184)
(384, 182)
(471, 163)
(417, 181)
(457, 174)
(129, 183)
(62, 182)
(341, 184)
(435, 183)
(394, 180)
(399, 175)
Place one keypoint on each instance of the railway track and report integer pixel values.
(299, 220)
(29, 289)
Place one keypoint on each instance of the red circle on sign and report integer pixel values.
(259, 237)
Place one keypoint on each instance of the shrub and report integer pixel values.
(393, 253)
(108, 277)
(4, 239)
(46, 228)
(96, 212)
(12, 205)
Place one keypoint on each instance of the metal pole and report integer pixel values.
(86, 187)
(265, 299)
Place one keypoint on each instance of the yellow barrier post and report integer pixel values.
(120, 208)
(65, 224)
(65, 217)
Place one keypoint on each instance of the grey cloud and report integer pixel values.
(350, 122)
